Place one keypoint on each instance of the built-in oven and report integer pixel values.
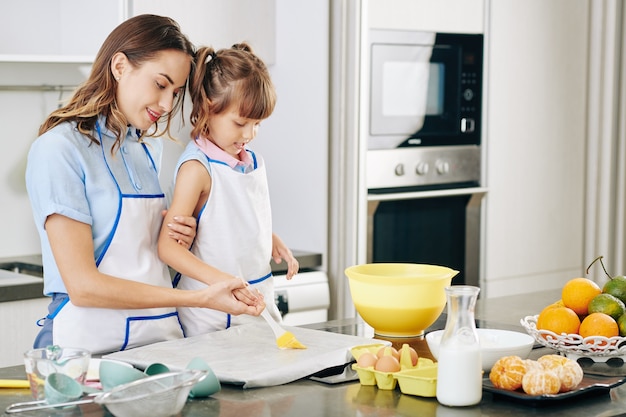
(424, 154)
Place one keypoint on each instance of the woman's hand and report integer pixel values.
(249, 295)
(281, 252)
(182, 230)
(221, 296)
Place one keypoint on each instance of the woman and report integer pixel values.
(92, 177)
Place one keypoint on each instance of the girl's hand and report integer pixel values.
(183, 230)
(280, 251)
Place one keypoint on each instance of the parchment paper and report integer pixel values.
(247, 355)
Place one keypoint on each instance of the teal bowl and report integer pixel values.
(114, 373)
(207, 386)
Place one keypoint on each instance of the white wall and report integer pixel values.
(21, 113)
(536, 139)
(294, 141)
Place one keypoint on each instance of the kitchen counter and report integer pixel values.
(16, 286)
(28, 285)
(312, 398)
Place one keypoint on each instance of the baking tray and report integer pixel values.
(247, 354)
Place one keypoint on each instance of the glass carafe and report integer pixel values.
(459, 375)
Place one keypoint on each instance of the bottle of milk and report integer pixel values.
(459, 374)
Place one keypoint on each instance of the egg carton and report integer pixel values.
(419, 380)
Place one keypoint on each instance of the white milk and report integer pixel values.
(459, 375)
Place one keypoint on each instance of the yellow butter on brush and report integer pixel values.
(284, 339)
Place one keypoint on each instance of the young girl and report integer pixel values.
(224, 185)
(92, 178)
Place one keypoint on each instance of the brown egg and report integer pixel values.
(367, 359)
(387, 363)
(388, 350)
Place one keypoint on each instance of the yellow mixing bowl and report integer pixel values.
(399, 299)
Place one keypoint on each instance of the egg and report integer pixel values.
(387, 363)
(388, 350)
(367, 359)
(408, 356)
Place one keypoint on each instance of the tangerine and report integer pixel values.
(507, 373)
(621, 324)
(541, 382)
(607, 304)
(568, 370)
(616, 286)
(598, 324)
(577, 293)
(558, 320)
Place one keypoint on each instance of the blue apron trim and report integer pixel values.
(200, 212)
(255, 165)
(143, 195)
(57, 298)
(176, 279)
(256, 281)
(121, 196)
(64, 300)
(44, 336)
(119, 205)
(145, 148)
(129, 321)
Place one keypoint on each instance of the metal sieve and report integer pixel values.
(161, 395)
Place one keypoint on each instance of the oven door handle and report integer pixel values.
(480, 191)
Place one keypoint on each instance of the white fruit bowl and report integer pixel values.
(494, 344)
(574, 346)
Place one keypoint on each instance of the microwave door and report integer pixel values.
(401, 75)
(413, 93)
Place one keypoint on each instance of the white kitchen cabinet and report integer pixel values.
(56, 30)
(18, 328)
(220, 23)
(536, 123)
(465, 16)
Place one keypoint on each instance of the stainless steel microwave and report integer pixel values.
(425, 89)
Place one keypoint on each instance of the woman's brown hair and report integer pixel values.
(140, 38)
(229, 76)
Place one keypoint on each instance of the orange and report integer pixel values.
(558, 320)
(577, 293)
(598, 324)
(558, 303)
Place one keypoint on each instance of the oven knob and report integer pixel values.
(399, 170)
(422, 168)
(443, 167)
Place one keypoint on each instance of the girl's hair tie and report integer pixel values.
(210, 57)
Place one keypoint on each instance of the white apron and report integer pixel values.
(132, 255)
(234, 235)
